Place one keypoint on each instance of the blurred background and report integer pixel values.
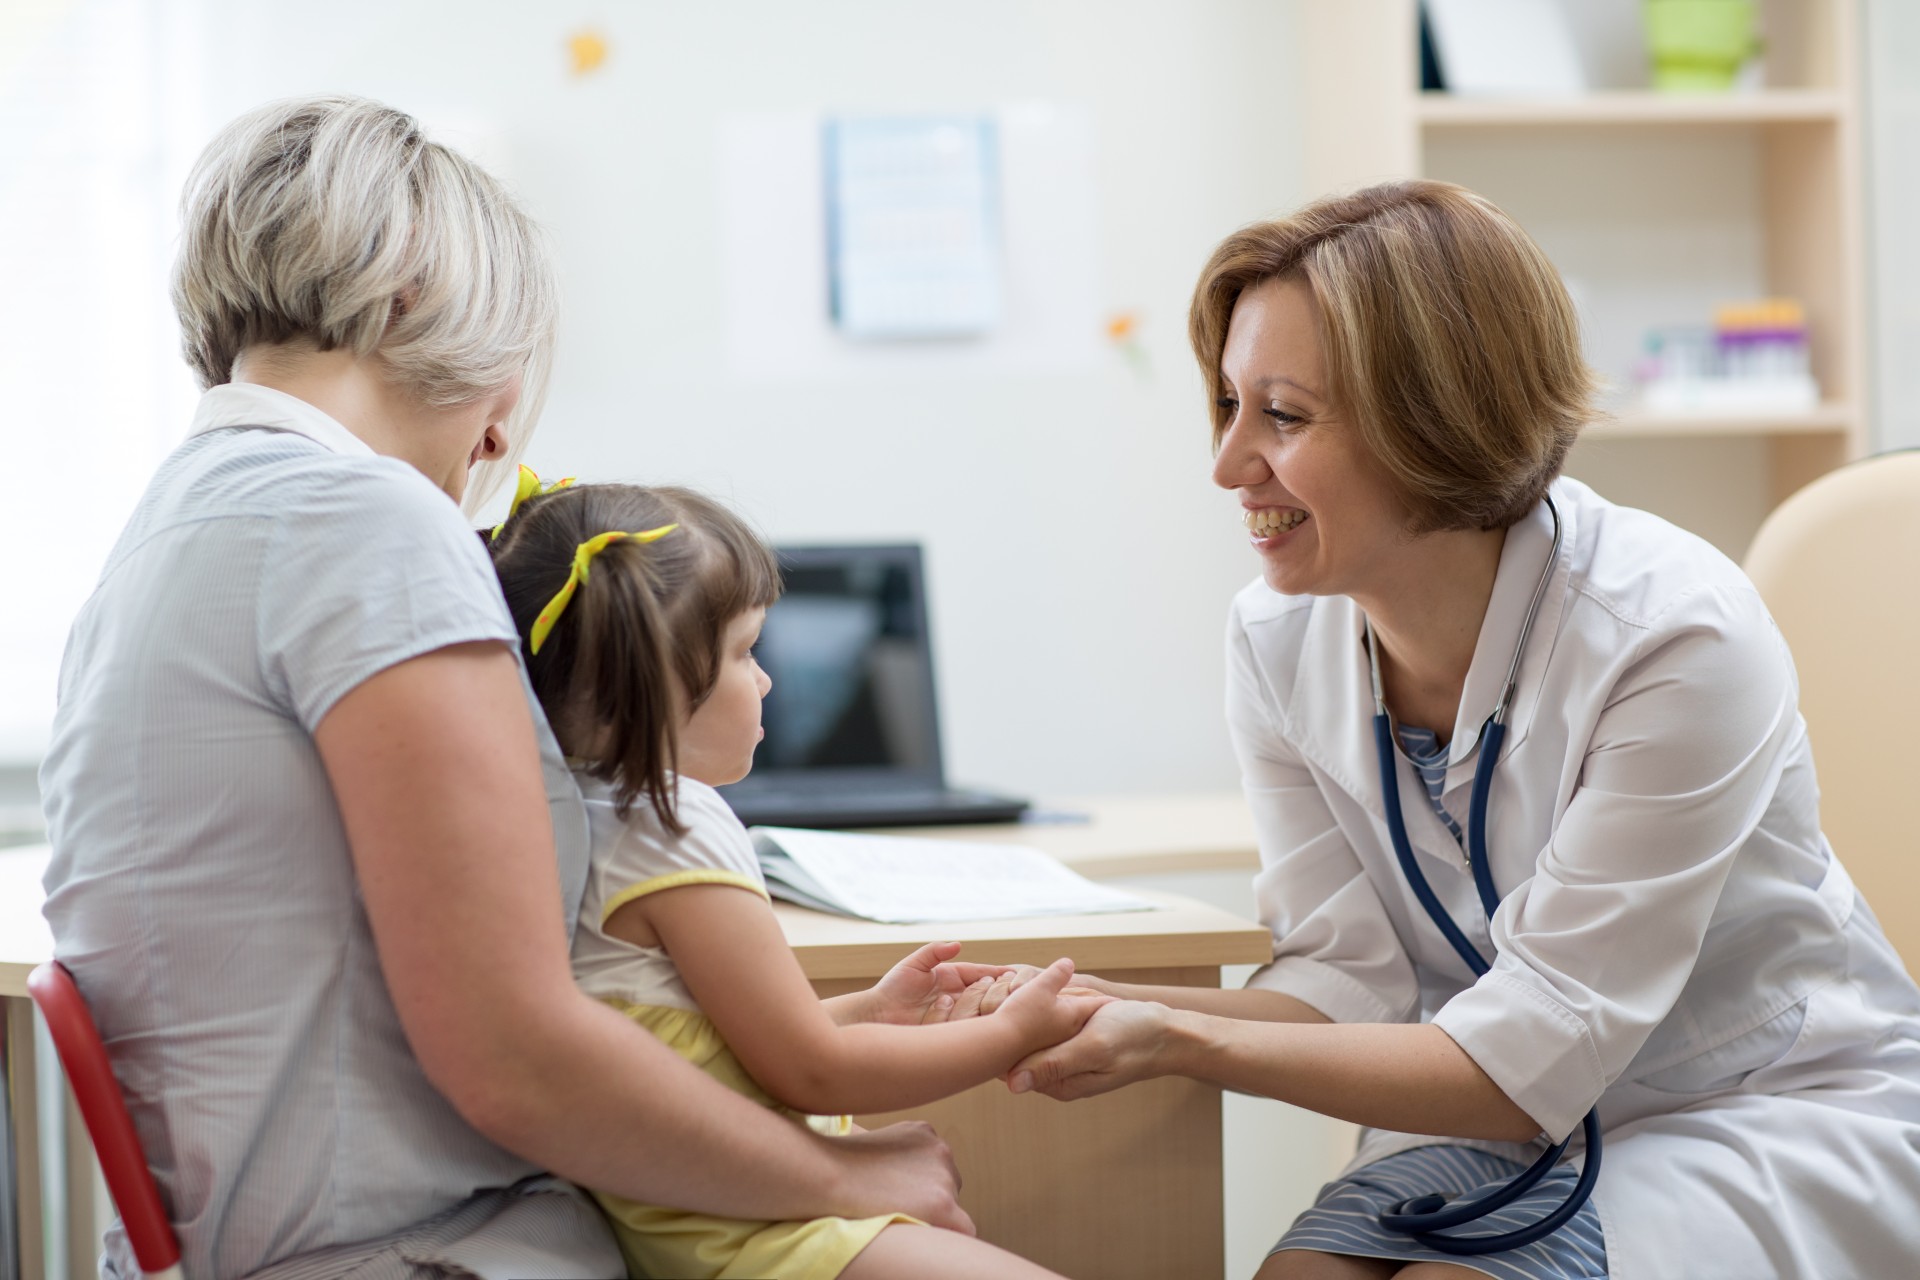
(1079, 560)
(1729, 206)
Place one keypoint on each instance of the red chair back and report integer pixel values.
(78, 1043)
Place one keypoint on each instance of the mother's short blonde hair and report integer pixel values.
(333, 220)
(1451, 344)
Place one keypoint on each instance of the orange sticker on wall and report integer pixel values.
(1123, 331)
(586, 51)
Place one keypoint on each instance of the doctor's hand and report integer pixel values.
(1121, 1043)
(927, 986)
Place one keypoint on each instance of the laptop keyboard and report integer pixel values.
(889, 798)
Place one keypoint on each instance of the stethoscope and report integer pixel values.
(1423, 1217)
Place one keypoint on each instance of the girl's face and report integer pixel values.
(717, 740)
(1318, 510)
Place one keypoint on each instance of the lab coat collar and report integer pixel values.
(1522, 559)
(248, 404)
(1329, 720)
(1329, 709)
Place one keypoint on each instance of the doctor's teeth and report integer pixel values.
(1271, 520)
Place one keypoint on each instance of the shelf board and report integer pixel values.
(1635, 424)
(1772, 106)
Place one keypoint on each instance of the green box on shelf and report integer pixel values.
(1699, 45)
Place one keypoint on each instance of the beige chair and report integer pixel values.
(1839, 567)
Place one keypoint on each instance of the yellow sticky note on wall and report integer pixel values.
(586, 51)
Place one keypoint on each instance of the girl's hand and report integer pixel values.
(987, 994)
(927, 986)
(1124, 1041)
(1048, 1009)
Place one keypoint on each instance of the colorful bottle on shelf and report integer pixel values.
(1753, 361)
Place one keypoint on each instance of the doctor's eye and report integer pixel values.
(1281, 417)
(1227, 405)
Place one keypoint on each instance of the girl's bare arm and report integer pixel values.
(730, 951)
(434, 765)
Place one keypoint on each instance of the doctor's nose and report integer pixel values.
(1236, 464)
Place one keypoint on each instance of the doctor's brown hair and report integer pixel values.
(1451, 344)
(639, 645)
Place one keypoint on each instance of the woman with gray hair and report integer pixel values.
(316, 855)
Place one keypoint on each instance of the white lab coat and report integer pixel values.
(1675, 940)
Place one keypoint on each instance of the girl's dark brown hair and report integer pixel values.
(647, 622)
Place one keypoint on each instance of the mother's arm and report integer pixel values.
(435, 767)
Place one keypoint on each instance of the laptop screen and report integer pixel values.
(849, 655)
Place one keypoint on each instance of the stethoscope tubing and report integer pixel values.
(1423, 1217)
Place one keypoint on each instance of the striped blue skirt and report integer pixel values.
(1346, 1218)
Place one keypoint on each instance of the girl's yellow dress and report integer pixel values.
(631, 859)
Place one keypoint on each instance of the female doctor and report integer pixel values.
(1396, 377)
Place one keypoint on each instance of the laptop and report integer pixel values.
(853, 731)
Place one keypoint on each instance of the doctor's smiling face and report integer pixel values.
(1318, 508)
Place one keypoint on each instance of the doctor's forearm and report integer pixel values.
(1411, 1079)
(1250, 1003)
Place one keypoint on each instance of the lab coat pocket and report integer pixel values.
(1727, 1065)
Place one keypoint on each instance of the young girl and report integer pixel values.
(639, 610)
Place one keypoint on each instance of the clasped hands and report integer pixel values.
(1107, 1040)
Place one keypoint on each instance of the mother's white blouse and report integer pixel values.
(201, 887)
(1671, 917)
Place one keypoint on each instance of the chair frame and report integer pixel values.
(83, 1055)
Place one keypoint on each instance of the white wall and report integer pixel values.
(85, 111)
(1081, 563)
(1892, 46)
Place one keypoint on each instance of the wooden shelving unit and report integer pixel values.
(1629, 107)
(1655, 206)
(1632, 424)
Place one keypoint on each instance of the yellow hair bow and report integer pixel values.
(525, 487)
(582, 556)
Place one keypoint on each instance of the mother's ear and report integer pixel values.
(491, 447)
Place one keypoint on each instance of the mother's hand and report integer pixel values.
(1125, 1041)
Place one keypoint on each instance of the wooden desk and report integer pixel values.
(1121, 1187)
(1131, 835)
(1110, 1188)
(24, 943)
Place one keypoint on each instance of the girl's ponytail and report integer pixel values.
(623, 674)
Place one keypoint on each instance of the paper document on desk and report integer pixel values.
(901, 880)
